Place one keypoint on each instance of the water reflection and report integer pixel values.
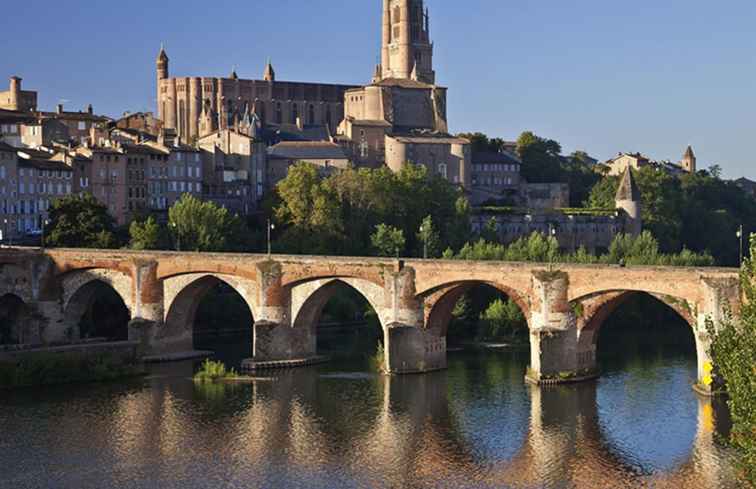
(476, 425)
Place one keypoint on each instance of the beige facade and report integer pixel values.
(234, 165)
(328, 157)
(623, 161)
(447, 156)
(17, 99)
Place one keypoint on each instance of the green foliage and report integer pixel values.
(338, 214)
(481, 143)
(64, 368)
(428, 238)
(643, 250)
(697, 211)
(734, 354)
(502, 319)
(213, 371)
(387, 240)
(80, 221)
(147, 235)
(198, 225)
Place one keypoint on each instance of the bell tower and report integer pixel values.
(406, 45)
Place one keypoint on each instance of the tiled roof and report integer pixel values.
(430, 139)
(44, 164)
(403, 83)
(494, 157)
(302, 150)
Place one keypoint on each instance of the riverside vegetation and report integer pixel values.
(40, 369)
(734, 354)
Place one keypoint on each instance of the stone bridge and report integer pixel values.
(413, 299)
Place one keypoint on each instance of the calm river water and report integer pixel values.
(477, 425)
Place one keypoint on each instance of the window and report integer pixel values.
(442, 170)
(279, 113)
(311, 115)
(294, 112)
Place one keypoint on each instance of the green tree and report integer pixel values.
(388, 240)
(428, 239)
(502, 319)
(734, 354)
(146, 235)
(198, 225)
(80, 221)
(540, 158)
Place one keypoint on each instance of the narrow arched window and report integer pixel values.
(311, 115)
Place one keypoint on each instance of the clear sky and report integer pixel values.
(603, 76)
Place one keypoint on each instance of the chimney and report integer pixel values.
(60, 108)
(90, 109)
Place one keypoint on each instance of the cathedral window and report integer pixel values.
(279, 113)
(311, 115)
(294, 112)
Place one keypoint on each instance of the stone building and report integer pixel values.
(327, 156)
(636, 161)
(400, 117)
(495, 177)
(234, 166)
(593, 229)
(184, 102)
(17, 99)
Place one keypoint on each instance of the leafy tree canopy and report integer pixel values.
(80, 221)
(198, 225)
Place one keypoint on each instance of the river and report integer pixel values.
(476, 425)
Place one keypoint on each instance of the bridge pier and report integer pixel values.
(554, 352)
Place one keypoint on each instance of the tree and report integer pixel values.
(540, 158)
(388, 240)
(502, 318)
(80, 221)
(146, 235)
(198, 225)
(734, 354)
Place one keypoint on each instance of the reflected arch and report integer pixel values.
(183, 296)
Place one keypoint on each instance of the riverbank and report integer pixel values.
(45, 369)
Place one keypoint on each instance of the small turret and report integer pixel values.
(689, 160)
(628, 199)
(269, 74)
(378, 74)
(234, 76)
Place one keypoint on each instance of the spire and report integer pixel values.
(234, 76)
(378, 75)
(628, 189)
(270, 73)
(162, 56)
(689, 153)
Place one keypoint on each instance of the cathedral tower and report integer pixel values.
(406, 46)
(162, 65)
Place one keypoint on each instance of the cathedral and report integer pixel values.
(399, 117)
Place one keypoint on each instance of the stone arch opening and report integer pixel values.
(341, 317)
(475, 310)
(619, 325)
(14, 315)
(97, 310)
(209, 313)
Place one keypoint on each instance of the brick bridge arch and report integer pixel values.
(439, 302)
(80, 288)
(593, 310)
(182, 296)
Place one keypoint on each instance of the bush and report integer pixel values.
(213, 371)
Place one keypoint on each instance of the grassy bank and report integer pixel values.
(41, 369)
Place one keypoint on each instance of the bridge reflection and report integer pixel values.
(401, 432)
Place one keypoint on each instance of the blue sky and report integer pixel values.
(648, 75)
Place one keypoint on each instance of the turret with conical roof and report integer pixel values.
(689, 160)
(628, 199)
